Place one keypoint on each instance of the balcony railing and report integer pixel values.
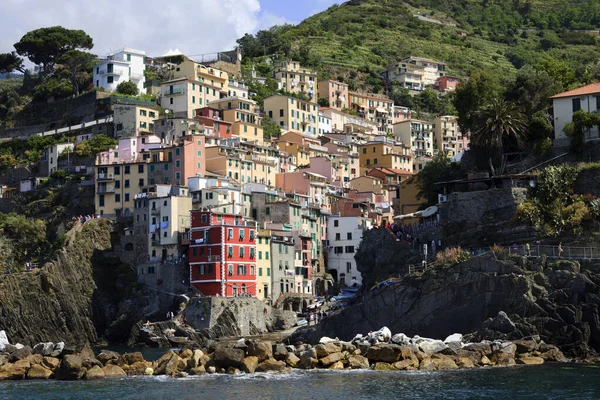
(105, 177)
(213, 258)
(113, 72)
(105, 190)
(173, 92)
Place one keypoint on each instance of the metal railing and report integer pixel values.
(567, 252)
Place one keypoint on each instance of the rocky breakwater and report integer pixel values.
(400, 353)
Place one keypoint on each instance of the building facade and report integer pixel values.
(125, 65)
(344, 235)
(292, 114)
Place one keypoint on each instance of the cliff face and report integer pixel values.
(557, 300)
(56, 302)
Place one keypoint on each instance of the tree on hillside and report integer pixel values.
(532, 90)
(482, 87)
(128, 88)
(10, 62)
(95, 145)
(439, 169)
(495, 124)
(78, 64)
(559, 70)
(270, 128)
(45, 46)
(323, 102)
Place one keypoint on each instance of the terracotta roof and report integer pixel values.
(589, 89)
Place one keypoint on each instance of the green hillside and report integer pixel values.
(503, 35)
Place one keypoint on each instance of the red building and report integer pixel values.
(447, 83)
(213, 117)
(222, 254)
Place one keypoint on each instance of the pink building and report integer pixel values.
(306, 183)
(447, 83)
(336, 92)
(129, 149)
(189, 158)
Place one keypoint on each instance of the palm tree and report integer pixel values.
(495, 123)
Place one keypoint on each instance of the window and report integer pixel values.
(177, 151)
(109, 79)
(268, 211)
(252, 252)
(251, 235)
(348, 267)
(576, 105)
(350, 249)
(126, 183)
(127, 198)
(281, 113)
(241, 234)
(118, 198)
(230, 269)
(260, 271)
(117, 170)
(242, 252)
(230, 251)
(260, 255)
(338, 250)
(266, 255)
(117, 184)
(230, 233)
(203, 218)
(127, 169)
(201, 269)
(338, 236)
(336, 223)
(142, 113)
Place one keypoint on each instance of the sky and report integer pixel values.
(155, 26)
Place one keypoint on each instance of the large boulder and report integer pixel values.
(249, 364)
(387, 353)
(432, 346)
(70, 368)
(107, 355)
(3, 338)
(20, 353)
(280, 352)
(401, 339)
(358, 362)
(132, 358)
(525, 345)
(384, 335)
(501, 323)
(35, 359)
(51, 363)
(113, 371)
(15, 371)
(331, 359)
(195, 360)
(481, 348)
(58, 349)
(271, 365)
(323, 350)
(44, 349)
(39, 372)
(530, 360)
(262, 350)
(292, 360)
(94, 374)
(443, 362)
(226, 357)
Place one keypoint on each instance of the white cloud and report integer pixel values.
(193, 26)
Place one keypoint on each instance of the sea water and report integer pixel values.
(557, 381)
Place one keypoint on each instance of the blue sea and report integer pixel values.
(558, 381)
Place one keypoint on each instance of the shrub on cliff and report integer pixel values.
(452, 256)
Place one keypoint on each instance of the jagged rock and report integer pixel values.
(3, 339)
(383, 335)
(508, 348)
(456, 337)
(358, 362)
(323, 350)
(186, 353)
(501, 323)
(551, 353)
(279, 352)
(427, 364)
(107, 355)
(262, 350)
(530, 360)
(70, 368)
(226, 357)
(15, 371)
(132, 358)
(44, 349)
(347, 346)
(292, 360)
(383, 366)
(58, 349)
(325, 340)
(138, 368)
(198, 371)
(3, 359)
(271, 364)
(35, 359)
(51, 363)
(502, 359)
(241, 344)
(308, 359)
(485, 360)
(363, 347)
(88, 363)
(94, 374)
(432, 346)
(401, 339)
(388, 353)
(20, 353)
(525, 346)
(249, 364)
(481, 348)
(196, 359)
(465, 362)
(474, 356)
(331, 359)
(113, 371)
(443, 362)
(337, 366)
(211, 369)
(405, 365)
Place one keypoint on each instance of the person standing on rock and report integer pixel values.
(560, 249)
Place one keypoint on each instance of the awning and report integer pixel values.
(381, 110)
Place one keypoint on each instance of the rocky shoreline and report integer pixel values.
(377, 351)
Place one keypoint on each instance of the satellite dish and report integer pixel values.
(532, 183)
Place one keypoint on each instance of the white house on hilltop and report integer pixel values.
(122, 66)
(586, 98)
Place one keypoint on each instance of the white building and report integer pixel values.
(122, 66)
(51, 154)
(586, 98)
(415, 73)
(416, 134)
(344, 235)
(324, 123)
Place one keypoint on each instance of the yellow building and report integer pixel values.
(241, 166)
(377, 109)
(408, 201)
(292, 78)
(385, 153)
(243, 114)
(201, 73)
(417, 134)
(368, 184)
(292, 114)
(116, 187)
(263, 265)
(446, 132)
(182, 96)
(133, 120)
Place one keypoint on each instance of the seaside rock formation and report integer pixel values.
(494, 297)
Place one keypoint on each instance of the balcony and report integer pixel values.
(155, 211)
(136, 76)
(113, 72)
(173, 92)
(105, 177)
(103, 190)
(304, 233)
(213, 258)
